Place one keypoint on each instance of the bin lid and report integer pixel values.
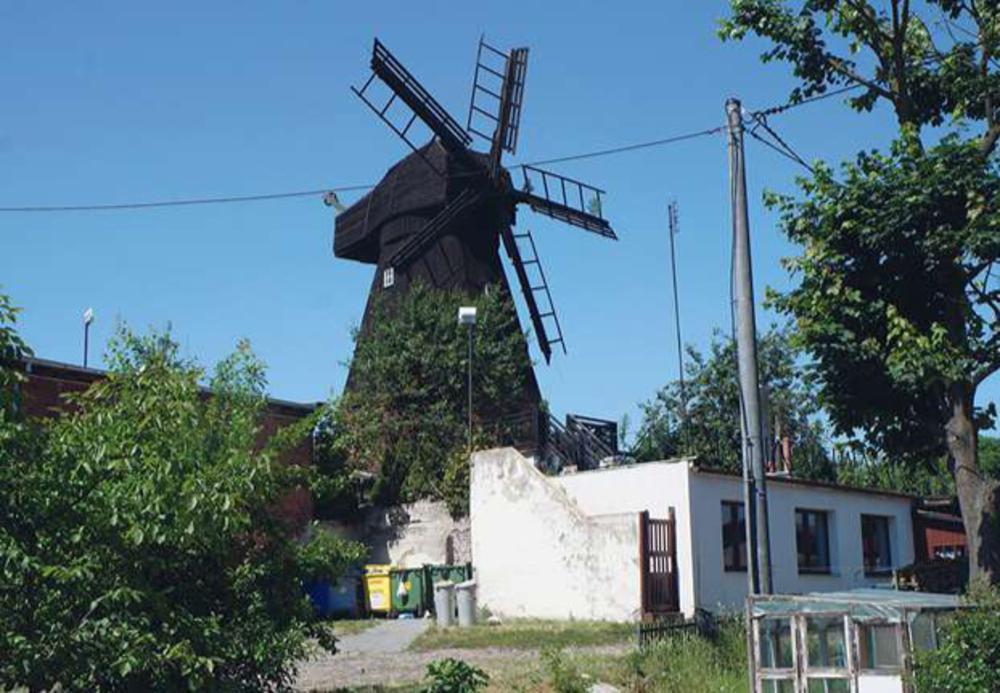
(467, 585)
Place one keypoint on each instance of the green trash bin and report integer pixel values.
(409, 592)
(433, 574)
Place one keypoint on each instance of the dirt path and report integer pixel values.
(385, 638)
(327, 673)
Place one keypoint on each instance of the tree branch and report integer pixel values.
(985, 372)
(989, 141)
(841, 67)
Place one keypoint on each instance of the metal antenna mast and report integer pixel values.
(746, 349)
(674, 230)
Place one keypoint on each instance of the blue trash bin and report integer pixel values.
(321, 596)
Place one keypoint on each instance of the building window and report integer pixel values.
(875, 544)
(812, 538)
(949, 552)
(388, 277)
(734, 536)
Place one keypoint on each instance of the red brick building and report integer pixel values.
(938, 531)
(42, 394)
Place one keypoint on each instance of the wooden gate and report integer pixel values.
(658, 564)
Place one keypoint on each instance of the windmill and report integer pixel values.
(440, 214)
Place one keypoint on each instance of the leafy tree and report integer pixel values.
(897, 299)
(989, 456)
(895, 475)
(403, 416)
(711, 428)
(12, 350)
(138, 547)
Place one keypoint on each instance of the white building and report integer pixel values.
(599, 544)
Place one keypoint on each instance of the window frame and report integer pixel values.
(726, 505)
(801, 673)
(877, 571)
(897, 669)
(826, 569)
(763, 674)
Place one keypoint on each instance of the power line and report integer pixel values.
(627, 147)
(180, 203)
(784, 149)
(795, 103)
(354, 188)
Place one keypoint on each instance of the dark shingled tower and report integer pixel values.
(439, 215)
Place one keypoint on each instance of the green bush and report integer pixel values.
(454, 676)
(687, 662)
(563, 675)
(403, 418)
(967, 659)
(139, 547)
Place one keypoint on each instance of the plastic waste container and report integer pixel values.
(465, 596)
(337, 599)
(344, 596)
(436, 573)
(378, 588)
(319, 596)
(444, 603)
(408, 595)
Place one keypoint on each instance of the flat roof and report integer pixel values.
(76, 373)
(796, 481)
(816, 483)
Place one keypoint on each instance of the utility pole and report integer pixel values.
(755, 506)
(674, 230)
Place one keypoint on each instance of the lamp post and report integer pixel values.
(467, 316)
(88, 317)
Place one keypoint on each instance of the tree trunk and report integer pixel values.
(978, 496)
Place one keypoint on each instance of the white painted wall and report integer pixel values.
(568, 546)
(718, 589)
(651, 486)
(880, 683)
(536, 553)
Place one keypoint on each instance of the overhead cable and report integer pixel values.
(355, 188)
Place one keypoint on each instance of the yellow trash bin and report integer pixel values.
(378, 588)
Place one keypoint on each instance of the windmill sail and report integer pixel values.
(533, 291)
(568, 200)
(407, 89)
(497, 98)
(510, 121)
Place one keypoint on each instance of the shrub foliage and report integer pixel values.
(403, 416)
(967, 659)
(138, 546)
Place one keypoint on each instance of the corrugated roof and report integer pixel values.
(861, 604)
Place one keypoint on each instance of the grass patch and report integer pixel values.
(352, 626)
(687, 662)
(526, 634)
(683, 662)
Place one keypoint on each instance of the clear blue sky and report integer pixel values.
(112, 102)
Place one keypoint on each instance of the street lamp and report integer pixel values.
(467, 316)
(88, 317)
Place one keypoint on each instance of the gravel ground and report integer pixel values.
(379, 656)
(345, 669)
